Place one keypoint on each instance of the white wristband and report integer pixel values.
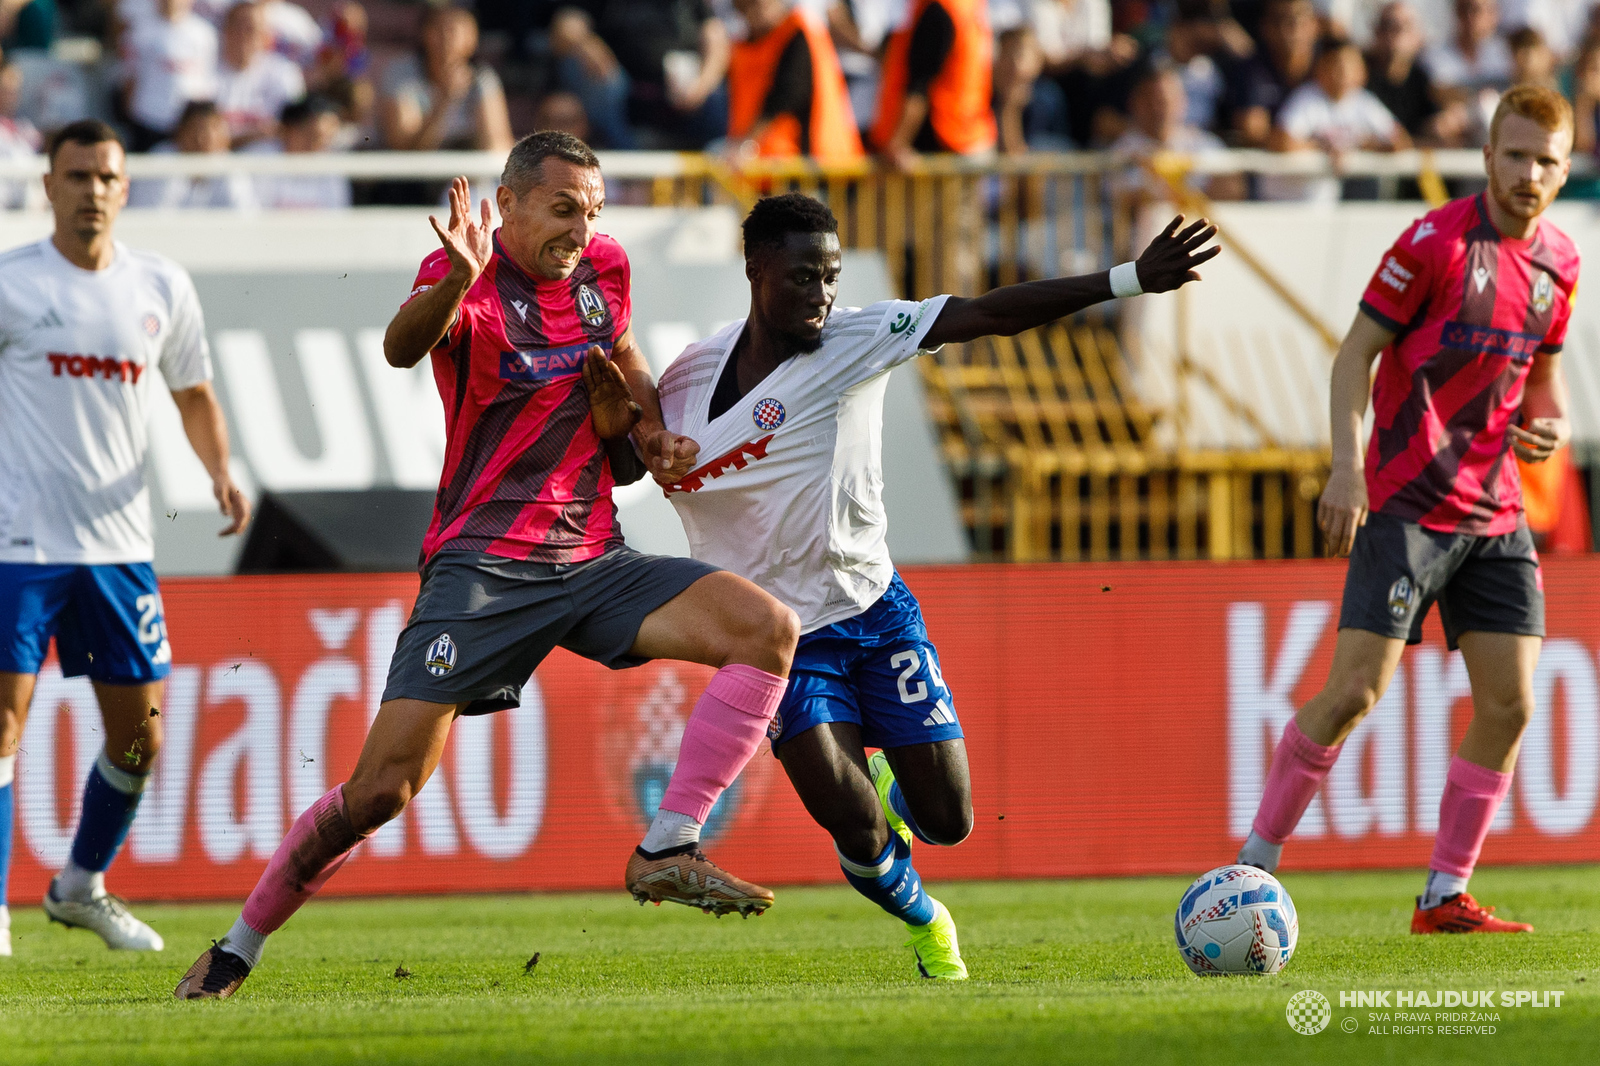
(1125, 281)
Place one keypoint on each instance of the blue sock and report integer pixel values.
(110, 800)
(892, 883)
(7, 769)
(897, 801)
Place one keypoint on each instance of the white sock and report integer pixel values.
(244, 942)
(5, 916)
(1439, 886)
(1257, 852)
(8, 770)
(77, 884)
(670, 830)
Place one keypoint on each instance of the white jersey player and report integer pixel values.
(88, 329)
(789, 402)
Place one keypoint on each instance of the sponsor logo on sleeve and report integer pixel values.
(1397, 271)
(906, 322)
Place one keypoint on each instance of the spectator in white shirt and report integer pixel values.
(309, 125)
(1333, 112)
(1157, 110)
(169, 61)
(1476, 56)
(201, 131)
(18, 137)
(253, 84)
(439, 98)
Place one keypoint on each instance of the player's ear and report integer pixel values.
(505, 200)
(752, 267)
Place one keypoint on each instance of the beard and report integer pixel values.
(801, 343)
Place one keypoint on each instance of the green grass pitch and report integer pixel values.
(1081, 971)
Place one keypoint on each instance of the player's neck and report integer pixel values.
(96, 253)
(758, 352)
(1507, 224)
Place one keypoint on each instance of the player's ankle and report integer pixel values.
(1261, 853)
(245, 942)
(77, 885)
(1441, 886)
(670, 829)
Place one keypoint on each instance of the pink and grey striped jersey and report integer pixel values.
(525, 476)
(1470, 308)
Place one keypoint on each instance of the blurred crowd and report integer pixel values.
(836, 80)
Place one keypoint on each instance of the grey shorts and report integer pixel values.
(1482, 584)
(482, 622)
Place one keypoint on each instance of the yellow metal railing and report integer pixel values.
(1053, 451)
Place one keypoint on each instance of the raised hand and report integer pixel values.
(611, 402)
(669, 456)
(468, 243)
(1170, 260)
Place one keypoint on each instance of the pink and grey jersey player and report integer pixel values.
(525, 476)
(1465, 316)
(1469, 309)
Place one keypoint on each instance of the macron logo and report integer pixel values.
(87, 366)
(737, 459)
(1423, 230)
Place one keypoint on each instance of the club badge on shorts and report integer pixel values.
(441, 656)
(768, 414)
(1402, 597)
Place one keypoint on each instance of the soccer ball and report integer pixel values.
(1236, 919)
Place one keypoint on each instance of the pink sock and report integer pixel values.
(722, 733)
(317, 845)
(1472, 795)
(1298, 767)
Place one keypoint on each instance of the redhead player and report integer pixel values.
(1469, 309)
(524, 552)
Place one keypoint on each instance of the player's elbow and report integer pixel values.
(397, 353)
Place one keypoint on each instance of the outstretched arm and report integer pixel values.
(1167, 263)
(422, 322)
(207, 431)
(1343, 507)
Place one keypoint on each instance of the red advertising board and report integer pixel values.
(1119, 720)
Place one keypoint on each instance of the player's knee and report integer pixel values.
(767, 636)
(949, 826)
(371, 805)
(1510, 714)
(1351, 698)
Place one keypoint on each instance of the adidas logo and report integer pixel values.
(49, 321)
(942, 715)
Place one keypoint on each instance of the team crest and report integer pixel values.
(1402, 597)
(441, 656)
(1543, 293)
(152, 325)
(768, 414)
(591, 306)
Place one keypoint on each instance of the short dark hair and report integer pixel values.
(773, 218)
(86, 131)
(195, 110)
(528, 155)
(1331, 45)
(306, 108)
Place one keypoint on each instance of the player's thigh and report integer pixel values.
(937, 784)
(719, 619)
(32, 599)
(131, 715)
(827, 764)
(114, 628)
(480, 626)
(402, 749)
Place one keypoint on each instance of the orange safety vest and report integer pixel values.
(751, 70)
(959, 98)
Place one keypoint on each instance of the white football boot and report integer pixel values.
(106, 915)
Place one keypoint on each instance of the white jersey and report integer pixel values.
(793, 498)
(76, 350)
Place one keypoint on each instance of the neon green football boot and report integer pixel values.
(882, 779)
(938, 952)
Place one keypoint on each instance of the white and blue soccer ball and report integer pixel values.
(1236, 919)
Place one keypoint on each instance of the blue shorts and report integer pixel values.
(877, 670)
(107, 620)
